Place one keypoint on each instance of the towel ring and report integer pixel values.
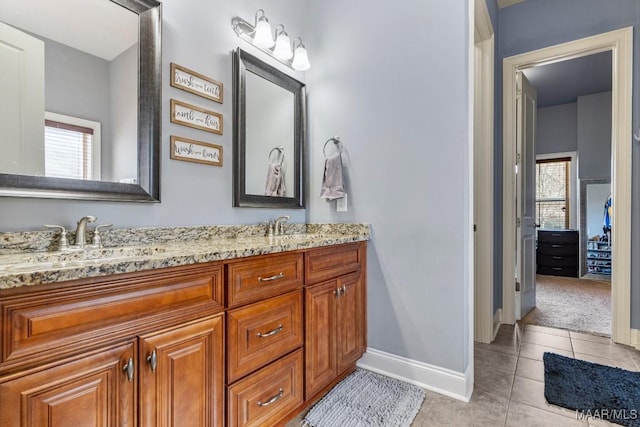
(336, 141)
(281, 150)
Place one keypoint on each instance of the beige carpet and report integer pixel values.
(571, 303)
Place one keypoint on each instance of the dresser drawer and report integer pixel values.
(262, 332)
(263, 277)
(330, 262)
(568, 236)
(557, 271)
(265, 397)
(557, 260)
(561, 249)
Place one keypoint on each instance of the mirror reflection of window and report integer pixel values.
(71, 147)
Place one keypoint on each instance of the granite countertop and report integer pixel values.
(31, 268)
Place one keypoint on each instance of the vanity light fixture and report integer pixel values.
(261, 37)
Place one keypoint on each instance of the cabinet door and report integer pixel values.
(90, 392)
(181, 375)
(350, 320)
(320, 340)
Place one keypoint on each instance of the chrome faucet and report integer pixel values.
(279, 225)
(81, 230)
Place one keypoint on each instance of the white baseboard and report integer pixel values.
(635, 338)
(497, 321)
(454, 384)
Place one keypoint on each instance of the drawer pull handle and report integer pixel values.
(152, 360)
(273, 399)
(273, 332)
(557, 257)
(128, 369)
(556, 246)
(556, 234)
(268, 279)
(557, 268)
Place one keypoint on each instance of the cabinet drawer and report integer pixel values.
(557, 249)
(570, 236)
(47, 322)
(558, 271)
(262, 332)
(265, 397)
(259, 278)
(557, 260)
(330, 262)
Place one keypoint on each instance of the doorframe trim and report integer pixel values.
(620, 43)
(483, 148)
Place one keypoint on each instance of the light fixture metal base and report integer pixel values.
(245, 30)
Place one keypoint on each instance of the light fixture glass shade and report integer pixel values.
(283, 47)
(300, 59)
(262, 37)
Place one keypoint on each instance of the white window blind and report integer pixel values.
(553, 193)
(68, 150)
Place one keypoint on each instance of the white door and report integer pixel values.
(525, 198)
(21, 102)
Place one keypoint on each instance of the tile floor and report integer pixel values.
(509, 380)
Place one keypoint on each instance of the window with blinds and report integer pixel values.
(68, 150)
(553, 193)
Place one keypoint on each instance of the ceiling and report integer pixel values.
(98, 27)
(563, 82)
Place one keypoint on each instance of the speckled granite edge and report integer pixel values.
(43, 241)
(17, 270)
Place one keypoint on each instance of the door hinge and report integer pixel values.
(518, 93)
(517, 222)
(518, 158)
(475, 227)
(517, 286)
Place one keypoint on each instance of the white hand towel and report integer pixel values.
(275, 181)
(332, 184)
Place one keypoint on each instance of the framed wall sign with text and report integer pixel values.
(196, 83)
(195, 117)
(190, 150)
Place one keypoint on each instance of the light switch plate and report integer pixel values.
(341, 204)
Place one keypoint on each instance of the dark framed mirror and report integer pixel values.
(269, 132)
(93, 128)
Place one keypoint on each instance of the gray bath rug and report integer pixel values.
(367, 399)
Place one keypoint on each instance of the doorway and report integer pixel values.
(619, 42)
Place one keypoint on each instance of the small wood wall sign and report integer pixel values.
(190, 150)
(195, 117)
(196, 83)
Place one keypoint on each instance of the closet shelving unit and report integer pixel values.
(599, 257)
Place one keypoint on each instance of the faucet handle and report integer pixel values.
(270, 227)
(64, 242)
(97, 239)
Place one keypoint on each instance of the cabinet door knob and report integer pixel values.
(273, 399)
(152, 360)
(128, 369)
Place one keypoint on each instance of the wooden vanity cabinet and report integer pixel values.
(335, 317)
(137, 349)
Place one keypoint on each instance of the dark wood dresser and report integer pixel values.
(557, 252)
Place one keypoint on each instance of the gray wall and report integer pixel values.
(196, 34)
(123, 94)
(536, 24)
(594, 136)
(398, 98)
(557, 130)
